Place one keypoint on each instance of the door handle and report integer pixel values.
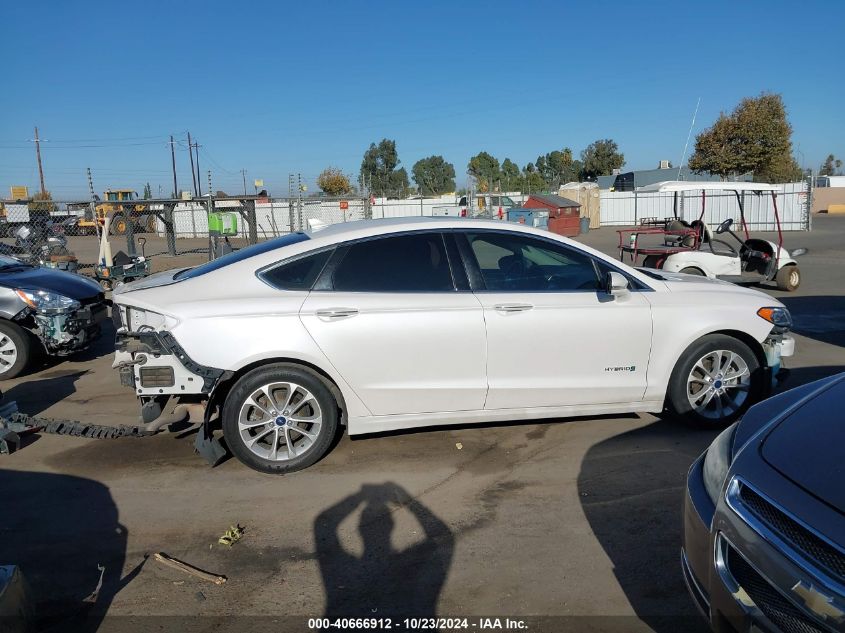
(512, 307)
(333, 314)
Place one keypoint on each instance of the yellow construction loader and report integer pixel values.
(119, 205)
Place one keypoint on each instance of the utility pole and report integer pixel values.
(290, 203)
(199, 184)
(243, 175)
(93, 203)
(173, 161)
(191, 154)
(38, 155)
(299, 205)
(209, 185)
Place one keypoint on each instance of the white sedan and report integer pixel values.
(394, 324)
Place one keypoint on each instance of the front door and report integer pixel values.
(554, 337)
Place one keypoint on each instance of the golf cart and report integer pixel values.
(693, 248)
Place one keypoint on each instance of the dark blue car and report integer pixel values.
(764, 516)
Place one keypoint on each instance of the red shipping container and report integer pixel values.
(564, 214)
(568, 225)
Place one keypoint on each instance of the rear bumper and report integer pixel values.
(153, 363)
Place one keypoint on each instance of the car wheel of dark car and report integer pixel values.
(279, 419)
(715, 381)
(15, 350)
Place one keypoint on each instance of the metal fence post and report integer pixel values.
(168, 228)
(130, 230)
(252, 223)
(635, 207)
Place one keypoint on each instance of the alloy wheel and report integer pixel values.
(718, 384)
(280, 421)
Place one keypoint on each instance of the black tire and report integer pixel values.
(788, 278)
(21, 342)
(118, 224)
(653, 261)
(677, 398)
(279, 373)
(690, 270)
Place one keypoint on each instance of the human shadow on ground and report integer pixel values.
(382, 582)
(58, 529)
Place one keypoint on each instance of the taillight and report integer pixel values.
(463, 213)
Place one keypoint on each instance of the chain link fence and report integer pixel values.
(202, 228)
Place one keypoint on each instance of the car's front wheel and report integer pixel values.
(279, 419)
(15, 350)
(715, 381)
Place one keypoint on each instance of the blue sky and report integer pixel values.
(279, 87)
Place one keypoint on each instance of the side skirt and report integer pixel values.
(380, 423)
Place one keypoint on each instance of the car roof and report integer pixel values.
(668, 186)
(343, 231)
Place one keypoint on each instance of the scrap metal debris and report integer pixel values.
(92, 597)
(164, 559)
(231, 536)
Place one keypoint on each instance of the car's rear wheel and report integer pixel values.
(15, 350)
(279, 419)
(653, 261)
(715, 381)
(788, 278)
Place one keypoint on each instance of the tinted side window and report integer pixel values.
(299, 274)
(518, 263)
(404, 263)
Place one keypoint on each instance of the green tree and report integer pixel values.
(532, 180)
(755, 137)
(333, 182)
(600, 158)
(379, 170)
(42, 201)
(485, 169)
(148, 192)
(434, 175)
(511, 176)
(558, 167)
(831, 166)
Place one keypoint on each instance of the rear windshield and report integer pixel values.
(242, 254)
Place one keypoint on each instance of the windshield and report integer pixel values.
(242, 254)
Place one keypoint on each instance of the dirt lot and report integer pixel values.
(565, 518)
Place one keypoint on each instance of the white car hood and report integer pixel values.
(681, 282)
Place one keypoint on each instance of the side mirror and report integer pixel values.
(616, 284)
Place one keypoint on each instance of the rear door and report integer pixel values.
(554, 337)
(405, 334)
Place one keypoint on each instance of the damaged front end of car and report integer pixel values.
(62, 324)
